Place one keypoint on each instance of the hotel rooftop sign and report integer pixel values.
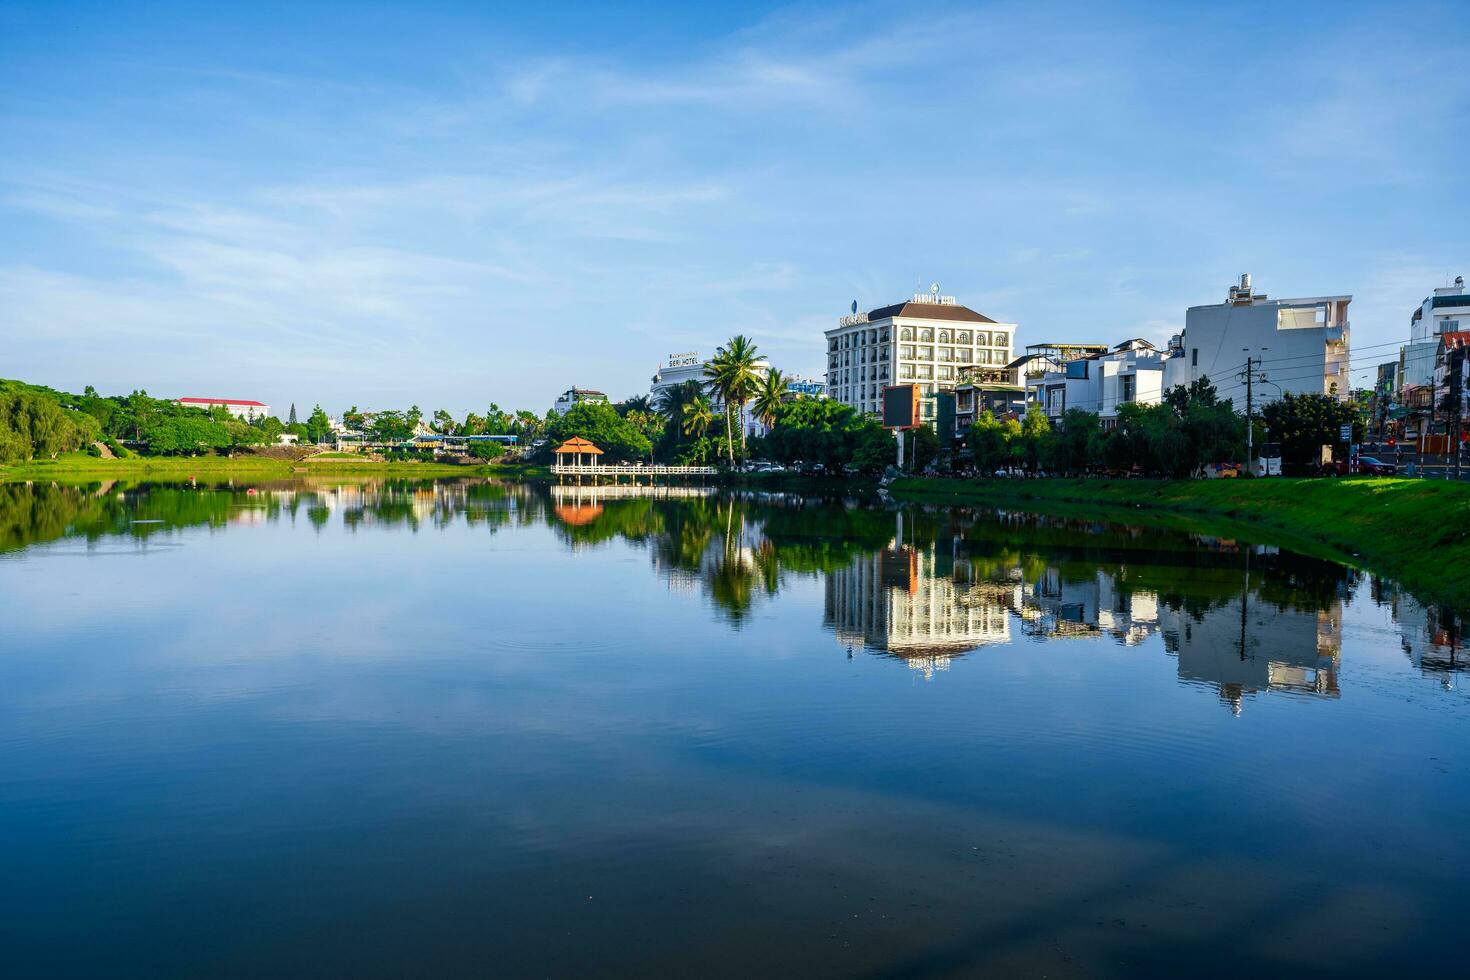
(686, 359)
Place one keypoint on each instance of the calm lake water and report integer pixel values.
(466, 729)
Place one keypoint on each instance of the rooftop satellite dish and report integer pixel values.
(854, 307)
(934, 288)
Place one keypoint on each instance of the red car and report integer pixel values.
(1366, 465)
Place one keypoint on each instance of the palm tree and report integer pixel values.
(638, 403)
(699, 415)
(671, 400)
(768, 399)
(733, 379)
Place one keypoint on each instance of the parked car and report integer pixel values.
(1373, 466)
(1367, 465)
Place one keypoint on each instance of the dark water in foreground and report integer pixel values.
(461, 729)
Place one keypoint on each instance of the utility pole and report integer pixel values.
(1457, 366)
(1250, 425)
(1250, 405)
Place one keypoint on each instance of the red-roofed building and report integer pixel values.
(241, 408)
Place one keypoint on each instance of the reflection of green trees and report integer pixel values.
(739, 549)
(36, 513)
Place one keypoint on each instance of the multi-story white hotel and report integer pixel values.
(925, 341)
(689, 366)
(1303, 345)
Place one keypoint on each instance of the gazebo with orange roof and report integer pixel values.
(577, 447)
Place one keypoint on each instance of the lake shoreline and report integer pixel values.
(1416, 532)
(73, 468)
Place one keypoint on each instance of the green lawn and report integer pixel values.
(1414, 531)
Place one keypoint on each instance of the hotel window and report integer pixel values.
(962, 337)
(946, 373)
(1127, 384)
(906, 351)
(926, 335)
(906, 334)
(982, 338)
(944, 337)
(926, 353)
(982, 357)
(965, 355)
(925, 371)
(906, 371)
(998, 339)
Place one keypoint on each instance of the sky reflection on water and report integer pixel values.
(462, 728)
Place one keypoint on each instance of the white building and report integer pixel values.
(239, 407)
(1446, 310)
(575, 396)
(925, 341)
(1303, 345)
(689, 366)
(896, 601)
(1133, 371)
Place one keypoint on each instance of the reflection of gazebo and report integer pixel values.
(577, 447)
(578, 515)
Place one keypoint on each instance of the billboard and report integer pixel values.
(901, 407)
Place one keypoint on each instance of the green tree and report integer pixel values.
(1034, 437)
(986, 443)
(600, 424)
(318, 426)
(486, 450)
(391, 427)
(732, 378)
(188, 435)
(769, 397)
(1303, 424)
(291, 420)
(699, 415)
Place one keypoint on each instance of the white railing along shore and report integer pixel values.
(624, 469)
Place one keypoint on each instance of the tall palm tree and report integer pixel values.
(671, 400)
(699, 415)
(733, 379)
(768, 398)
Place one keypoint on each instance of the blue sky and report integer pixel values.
(458, 204)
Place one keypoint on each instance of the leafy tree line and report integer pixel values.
(1192, 428)
(703, 421)
(37, 422)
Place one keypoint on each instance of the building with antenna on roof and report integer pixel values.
(926, 341)
(1302, 345)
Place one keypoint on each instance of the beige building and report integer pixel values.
(926, 341)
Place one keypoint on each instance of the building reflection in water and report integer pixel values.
(1432, 637)
(895, 601)
(1242, 619)
(922, 585)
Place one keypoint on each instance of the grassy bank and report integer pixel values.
(1414, 531)
(79, 466)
